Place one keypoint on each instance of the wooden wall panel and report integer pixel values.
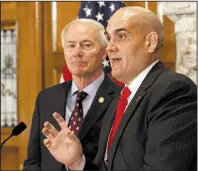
(29, 65)
(10, 159)
(135, 3)
(8, 11)
(152, 6)
(169, 50)
(47, 44)
(29, 74)
(56, 76)
(9, 153)
(58, 62)
(67, 12)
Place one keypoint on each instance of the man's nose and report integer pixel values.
(78, 51)
(111, 46)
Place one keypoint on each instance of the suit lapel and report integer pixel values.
(61, 100)
(106, 127)
(107, 92)
(63, 97)
(148, 81)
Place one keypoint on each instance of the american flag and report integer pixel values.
(100, 11)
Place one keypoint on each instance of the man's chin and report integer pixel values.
(117, 76)
(79, 74)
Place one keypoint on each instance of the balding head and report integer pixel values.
(135, 39)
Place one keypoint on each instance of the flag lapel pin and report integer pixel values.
(101, 100)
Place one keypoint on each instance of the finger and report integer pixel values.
(47, 133)
(47, 143)
(60, 121)
(51, 128)
(71, 137)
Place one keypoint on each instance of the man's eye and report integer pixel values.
(70, 46)
(86, 45)
(122, 36)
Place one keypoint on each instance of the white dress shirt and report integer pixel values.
(91, 90)
(133, 86)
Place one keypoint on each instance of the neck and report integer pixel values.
(84, 81)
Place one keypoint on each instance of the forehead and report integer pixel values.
(123, 24)
(80, 31)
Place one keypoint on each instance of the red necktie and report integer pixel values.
(77, 114)
(122, 103)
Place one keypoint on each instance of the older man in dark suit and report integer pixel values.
(82, 101)
(154, 126)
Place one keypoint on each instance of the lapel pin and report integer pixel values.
(101, 100)
(138, 98)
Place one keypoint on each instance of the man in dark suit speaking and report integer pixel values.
(82, 102)
(154, 126)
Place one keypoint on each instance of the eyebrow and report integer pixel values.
(70, 41)
(86, 41)
(117, 30)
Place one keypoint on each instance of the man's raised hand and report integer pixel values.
(64, 146)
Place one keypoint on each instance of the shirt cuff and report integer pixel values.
(81, 166)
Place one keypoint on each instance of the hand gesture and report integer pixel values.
(64, 146)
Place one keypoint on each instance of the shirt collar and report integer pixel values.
(135, 84)
(91, 89)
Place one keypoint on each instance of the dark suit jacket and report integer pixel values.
(159, 128)
(54, 100)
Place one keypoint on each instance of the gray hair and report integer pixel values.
(103, 40)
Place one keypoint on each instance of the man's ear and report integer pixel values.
(152, 41)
